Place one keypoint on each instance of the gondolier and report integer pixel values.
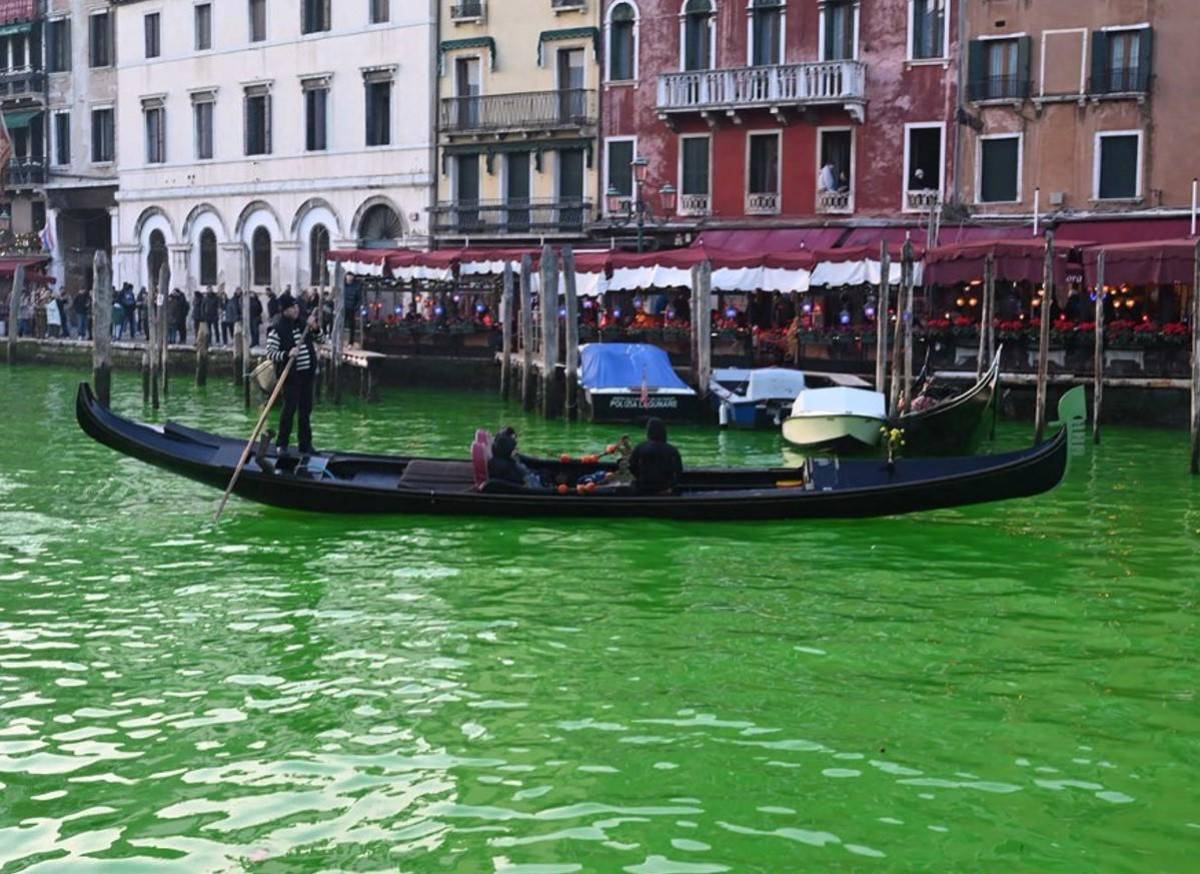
(290, 337)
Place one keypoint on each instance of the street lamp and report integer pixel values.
(639, 208)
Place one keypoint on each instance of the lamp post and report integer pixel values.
(639, 208)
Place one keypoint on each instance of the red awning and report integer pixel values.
(9, 264)
(869, 252)
(1156, 262)
(1016, 261)
(859, 237)
(949, 235)
(1105, 233)
(774, 240)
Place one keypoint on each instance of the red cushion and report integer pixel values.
(479, 463)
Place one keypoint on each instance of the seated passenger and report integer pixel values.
(655, 463)
(502, 467)
(532, 479)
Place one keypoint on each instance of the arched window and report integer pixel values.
(318, 250)
(699, 32)
(208, 257)
(156, 259)
(380, 227)
(260, 256)
(622, 42)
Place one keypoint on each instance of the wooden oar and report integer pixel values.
(262, 420)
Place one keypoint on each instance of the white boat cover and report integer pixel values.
(840, 402)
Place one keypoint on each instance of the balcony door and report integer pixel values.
(835, 180)
(570, 85)
(570, 189)
(468, 85)
(766, 33)
(466, 192)
(516, 191)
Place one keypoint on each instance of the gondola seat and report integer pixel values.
(441, 476)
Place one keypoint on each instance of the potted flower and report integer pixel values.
(1118, 334)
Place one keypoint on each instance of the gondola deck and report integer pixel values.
(338, 482)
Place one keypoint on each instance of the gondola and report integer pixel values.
(957, 425)
(336, 482)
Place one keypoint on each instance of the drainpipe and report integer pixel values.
(434, 132)
(960, 104)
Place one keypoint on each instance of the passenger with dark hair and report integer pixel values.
(502, 466)
(655, 464)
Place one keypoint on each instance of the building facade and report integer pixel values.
(81, 99)
(779, 112)
(254, 135)
(1086, 108)
(23, 102)
(517, 119)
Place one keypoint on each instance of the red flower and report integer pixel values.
(1176, 329)
(1146, 328)
(963, 322)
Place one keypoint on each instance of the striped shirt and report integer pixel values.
(277, 350)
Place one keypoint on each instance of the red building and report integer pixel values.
(780, 113)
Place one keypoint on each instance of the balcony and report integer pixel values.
(762, 203)
(26, 173)
(1002, 88)
(695, 204)
(531, 110)
(490, 218)
(1121, 82)
(835, 202)
(468, 10)
(24, 83)
(776, 88)
(922, 200)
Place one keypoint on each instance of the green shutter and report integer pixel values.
(1100, 77)
(976, 69)
(1024, 50)
(1118, 167)
(1145, 60)
(999, 160)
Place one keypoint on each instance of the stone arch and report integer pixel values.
(316, 206)
(260, 212)
(154, 215)
(365, 207)
(191, 228)
(153, 227)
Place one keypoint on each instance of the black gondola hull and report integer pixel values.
(359, 483)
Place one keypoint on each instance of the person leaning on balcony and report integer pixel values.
(828, 180)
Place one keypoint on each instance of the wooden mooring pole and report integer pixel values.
(201, 354)
(247, 339)
(527, 383)
(549, 312)
(984, 358)
(1043, 371)
(1196, 361)
(570, 335)
(506, 331)
(152, 343)
(102, 307)
(909, 281)
(164, 288)
(337, 341)
(881, 312)
(702, 325)
(1098, 360)
(15, 297)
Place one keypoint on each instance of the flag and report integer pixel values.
(47, 236)
(645, 391)
(6, 146)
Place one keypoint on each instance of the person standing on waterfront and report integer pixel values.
(81, 305)
(53, 316)
(197, 311)
(129, 307)
(272, 307)
(292, 338)
(351, 300)
(116, 329)
(143, 319)
(256, 314)
(231, 313)
(212, 315)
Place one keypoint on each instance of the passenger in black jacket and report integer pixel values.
(502, 467)
(655, 463)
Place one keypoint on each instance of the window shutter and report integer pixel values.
(976, 69)
(1100, 83)
(267, 123)
(1145, 59)
(1024, 50)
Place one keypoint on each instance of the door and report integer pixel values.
(516, 191)
(571, 108)
(466, 192)
(570, 189)
(468, 85)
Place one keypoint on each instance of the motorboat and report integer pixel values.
(631, 382)
(361, 483)
(762, 397)
(839, 419)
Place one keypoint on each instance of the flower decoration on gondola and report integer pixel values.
(893, 442)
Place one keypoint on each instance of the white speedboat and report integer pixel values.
(757, 398)
(836, 419)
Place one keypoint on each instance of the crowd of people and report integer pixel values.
(47, 313)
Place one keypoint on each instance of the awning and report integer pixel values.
(10, 263)
(950, 235)
(360, 262)
(1015, 260)
(774, 240)
(1160, 262)
(1106, 233)
(14, 29)
(15, 120)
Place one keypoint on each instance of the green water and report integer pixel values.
(1002, 687)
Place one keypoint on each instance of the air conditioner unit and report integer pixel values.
(1057, 198)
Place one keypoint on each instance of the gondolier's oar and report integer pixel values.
(262, 420)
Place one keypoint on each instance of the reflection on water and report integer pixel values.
(960, 690)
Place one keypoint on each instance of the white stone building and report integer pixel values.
(254, 135)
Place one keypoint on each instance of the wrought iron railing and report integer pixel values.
(999, 88)
(22, 83)
(569, 107)
(827, 82)
(25, 172)
(468, 10)
(1121, 80)
(490, 217)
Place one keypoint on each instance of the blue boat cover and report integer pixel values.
(626, 365)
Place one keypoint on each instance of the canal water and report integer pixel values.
(1009, 685)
